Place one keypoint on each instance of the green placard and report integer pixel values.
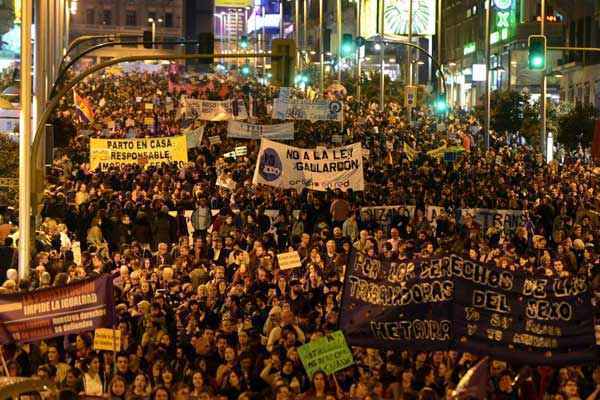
(329, 354)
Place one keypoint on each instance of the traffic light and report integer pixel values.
(440, 105)
(537, 52)
(244, 42)
(147, 39)
(283, 59)
(206, 45)
(347, 45)
(245, 70)
(360, 41)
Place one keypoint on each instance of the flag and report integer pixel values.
(83, 108)
(474, 384)
(410, 152)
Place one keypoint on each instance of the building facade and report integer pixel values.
(511, 23)
(129, 18)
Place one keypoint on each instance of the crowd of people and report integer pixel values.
(203, 308)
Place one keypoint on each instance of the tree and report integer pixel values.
(577, 127)
(513, 112)
(507, 111)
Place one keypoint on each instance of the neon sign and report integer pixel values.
(503, 4)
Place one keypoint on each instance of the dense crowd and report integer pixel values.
(203, 308)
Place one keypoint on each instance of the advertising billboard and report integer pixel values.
(396, 17)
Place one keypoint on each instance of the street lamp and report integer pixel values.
(153, 22)
(73, 7)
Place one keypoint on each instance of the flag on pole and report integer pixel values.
(474, 384)
(83, 107)
(410, 152)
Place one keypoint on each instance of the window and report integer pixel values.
(106, 17)
(131, 18)
(89, 17)
(169, 20)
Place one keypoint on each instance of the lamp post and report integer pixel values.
(321, 50)
(358, 60)
(25, 161)
(339, 36)
(544, 84)
(153, 22)
(488, 6)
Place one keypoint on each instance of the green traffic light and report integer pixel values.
(537, 61)
(537, 52)
(440, 105)
(244, 42)
(347, 49)
(347, 45)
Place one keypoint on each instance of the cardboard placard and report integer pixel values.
(289, 260)
(328, 354)
(241, 151)
(107, 339)
(214, 139)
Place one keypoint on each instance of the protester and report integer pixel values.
(204, 309)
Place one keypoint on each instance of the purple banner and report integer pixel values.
(454, 303)
(52, 312)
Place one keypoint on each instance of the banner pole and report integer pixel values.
(4, 366)
(114, 343)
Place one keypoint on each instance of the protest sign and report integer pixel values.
(271, 213)
(193, 137)
(106, 153)
(454, 303)
(506, 221)
(386, 215)
(138, 99)
(440, 151)
(284, 93)
(210, 110)
(188, 220)
(148, 106)
(241, 151)
(107, 339)
(289, 260)
(226, 182)
(47, 313)
(384, 305)
(322, 110)
(214, 139)
(432, 212)
(328, 354)
(242, 130)
(289, 167)
(148, 121)
(518, 318)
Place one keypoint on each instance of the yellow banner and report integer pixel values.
(233, 3)
(106, 153)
